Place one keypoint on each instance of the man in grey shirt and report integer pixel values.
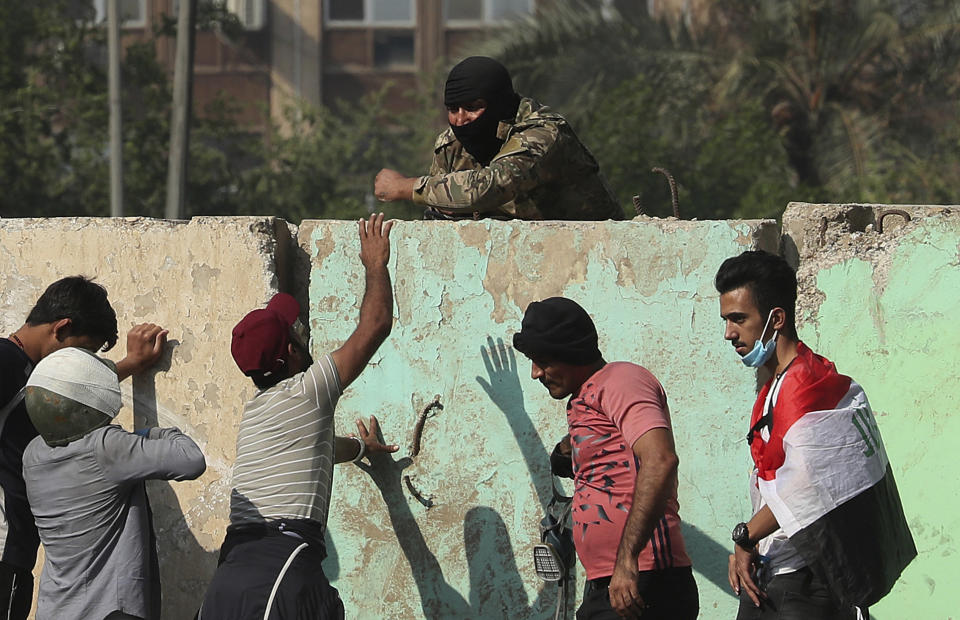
(270, 560)
(85, 484)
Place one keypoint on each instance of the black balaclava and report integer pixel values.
(479, 77)
(558, 329)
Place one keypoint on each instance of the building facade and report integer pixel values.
(318, 50)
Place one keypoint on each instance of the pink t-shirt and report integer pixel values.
(615, 406)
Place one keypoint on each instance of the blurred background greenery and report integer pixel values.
(762, 103)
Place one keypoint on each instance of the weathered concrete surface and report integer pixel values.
(196, 278)
(883, 307)
(484, 458)
(808, 229)
(880, 305)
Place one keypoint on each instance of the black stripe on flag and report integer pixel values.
(869, 530)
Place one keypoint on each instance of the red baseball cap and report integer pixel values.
(260, 339)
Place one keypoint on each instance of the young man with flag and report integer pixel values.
(828, 536)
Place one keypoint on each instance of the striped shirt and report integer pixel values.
(284, 466)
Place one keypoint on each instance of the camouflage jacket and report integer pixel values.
(542, 172)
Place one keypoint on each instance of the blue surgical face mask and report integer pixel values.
(761, 352)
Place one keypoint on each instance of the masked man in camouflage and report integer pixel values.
(503, 156)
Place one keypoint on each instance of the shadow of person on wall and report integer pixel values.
(496, 587)
(331, 563)
(709, 557)
(185, 565)
(503, 387)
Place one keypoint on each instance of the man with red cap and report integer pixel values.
(626, 525)
(286, 448)
(503, 156)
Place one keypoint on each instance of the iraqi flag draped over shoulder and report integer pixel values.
(825, 475)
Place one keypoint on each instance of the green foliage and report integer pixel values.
(727, 163)
(322, 162)
(54, 116)
(796, 100)
(849, 100)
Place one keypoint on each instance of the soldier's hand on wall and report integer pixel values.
(145, 343)
(390, 185)
(375, 241)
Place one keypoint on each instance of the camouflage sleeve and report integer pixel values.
(438, 165)
(517, 168)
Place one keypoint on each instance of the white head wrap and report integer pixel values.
(81, 376)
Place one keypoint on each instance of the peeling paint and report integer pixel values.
(880, 305)
(484, 460)
(195, 278)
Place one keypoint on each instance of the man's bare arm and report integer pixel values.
(657, 476)
(376, 309)
(348, 448)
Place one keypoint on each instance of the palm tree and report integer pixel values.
(639, 93)
(847, 82)
(862, 94)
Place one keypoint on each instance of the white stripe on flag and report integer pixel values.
(830, 457)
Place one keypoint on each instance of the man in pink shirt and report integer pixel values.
(626, 525)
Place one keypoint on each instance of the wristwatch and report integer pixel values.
(741, 536)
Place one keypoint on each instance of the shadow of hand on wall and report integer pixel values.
(495, 582)
(502, 385)
(185, 565)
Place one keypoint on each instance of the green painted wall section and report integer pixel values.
(889, 320)
(461, 287)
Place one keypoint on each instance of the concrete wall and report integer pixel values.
(883, 306)
(462, 287)
(197, 279)
(484, 461)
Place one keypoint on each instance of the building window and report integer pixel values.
(393, 49)
(370, 12)
(387, 28)
(470, 12)
(133, 13)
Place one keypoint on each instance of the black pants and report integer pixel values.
(16, 592)
(670, 594)
(251, 570)
(795, 596)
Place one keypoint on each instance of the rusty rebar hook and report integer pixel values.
(887, 212)
(417, 495)
(673, 190)
(418, 429)
(415, 449)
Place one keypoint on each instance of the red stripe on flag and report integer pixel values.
(812, 384)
